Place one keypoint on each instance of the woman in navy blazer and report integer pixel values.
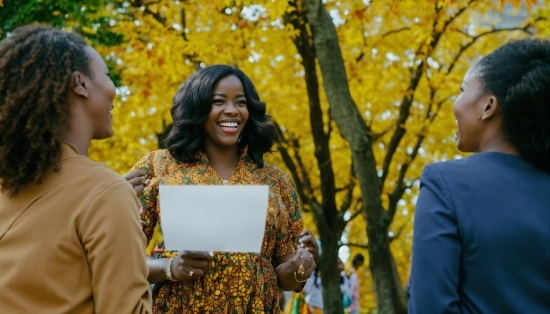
(482, 224)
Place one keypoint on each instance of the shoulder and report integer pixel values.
(276, 173)
(88, 171)
(159, 154)
(155, 159)
(87, 180)
(274, 176)
(456, 168)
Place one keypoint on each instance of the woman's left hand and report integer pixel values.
(307, 241)
(303, 263)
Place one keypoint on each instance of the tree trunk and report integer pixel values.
(389, 293)
(332, 296)
(330, 225)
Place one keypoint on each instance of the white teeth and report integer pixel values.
(228, 124)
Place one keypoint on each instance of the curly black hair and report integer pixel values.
(192, 104)
(518, 74)
(36, 66)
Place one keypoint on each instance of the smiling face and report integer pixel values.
(101, 93)
(468, 110)
(228, 115)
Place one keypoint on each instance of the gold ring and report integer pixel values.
(191, 274)
(300, 272)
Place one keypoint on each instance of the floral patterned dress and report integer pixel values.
(234, 282)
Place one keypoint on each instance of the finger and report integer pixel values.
(307, 240)
(305, 232)
(197, 272)
(136, 181)
(139, 190)
(198, 254)
(197, 263)
(133, 174)
(311, 268)
(186, 272)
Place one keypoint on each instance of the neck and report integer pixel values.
(223, 160)
(498, 143)
(81, 145)
(78, 132)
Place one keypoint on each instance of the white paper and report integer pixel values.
(219, 218)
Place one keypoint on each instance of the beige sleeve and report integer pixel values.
(110, 232)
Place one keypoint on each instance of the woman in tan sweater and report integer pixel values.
(68, 225)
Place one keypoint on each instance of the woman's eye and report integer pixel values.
(241, 103)
(217, 101)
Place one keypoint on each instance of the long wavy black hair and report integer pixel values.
(518, 74)
(36, 66)
(192, 104)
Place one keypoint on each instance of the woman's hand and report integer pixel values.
(294, 268)
(189, 265)
(307, 241)
(303, 264)
(138, 180)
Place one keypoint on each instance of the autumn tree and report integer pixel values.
(360, 93)
(425, 67)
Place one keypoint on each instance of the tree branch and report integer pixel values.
(156, 15)
(361, 246)
(395, 31)
(400, 188)
(408, 98)
(303, 42)
(474, 39)
(303, 186)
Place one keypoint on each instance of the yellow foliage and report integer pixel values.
(381, 43)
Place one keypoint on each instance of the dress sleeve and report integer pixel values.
(436, 249)
(112, 238)
(289, 229)
(149, 213)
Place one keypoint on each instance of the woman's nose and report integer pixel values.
(230, 108)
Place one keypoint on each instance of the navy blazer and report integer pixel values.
(481, 239)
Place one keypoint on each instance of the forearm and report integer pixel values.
(157, 268)
(286, 279)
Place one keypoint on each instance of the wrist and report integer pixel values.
(168, 270)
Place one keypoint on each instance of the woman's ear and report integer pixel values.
(79, 85)
(491, 109)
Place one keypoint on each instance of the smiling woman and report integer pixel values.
(482, 223)
(220, 135)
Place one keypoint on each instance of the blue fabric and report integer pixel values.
(482, 237)
(346, 300)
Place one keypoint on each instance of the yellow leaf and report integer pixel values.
(88, 30)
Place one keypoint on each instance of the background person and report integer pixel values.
(357, 261)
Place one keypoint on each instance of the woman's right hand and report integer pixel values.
(189, 265)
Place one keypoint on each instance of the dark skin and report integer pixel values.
(198, 262)
(138, 180)
(221, 147)
(90, 101)
(479, 118)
